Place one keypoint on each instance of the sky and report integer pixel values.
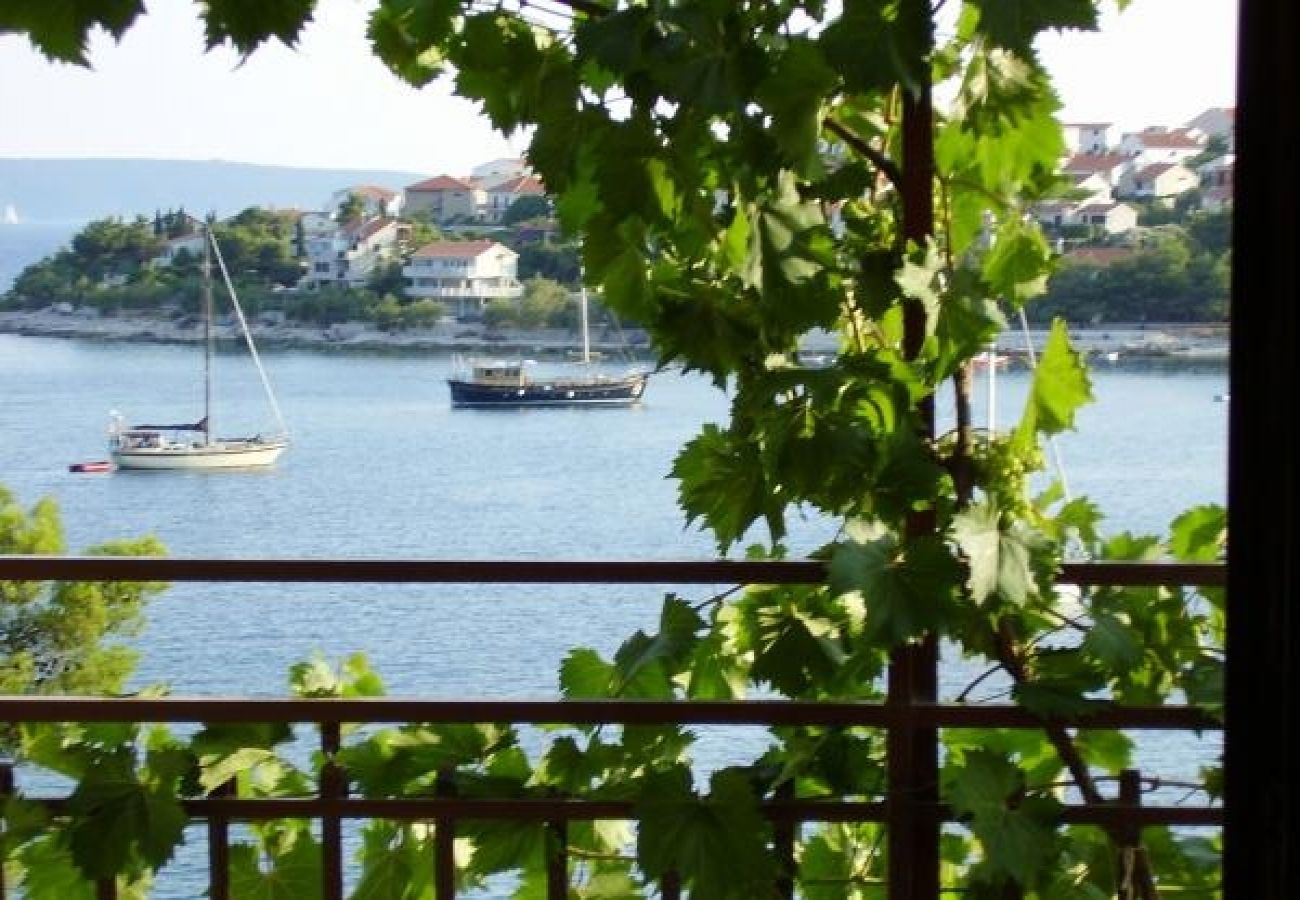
(329, 103)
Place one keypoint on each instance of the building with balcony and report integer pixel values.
(463, 275)
(445, 199)
(346, 255)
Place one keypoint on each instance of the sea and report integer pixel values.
(381, 467)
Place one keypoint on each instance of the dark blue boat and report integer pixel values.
(505, 384)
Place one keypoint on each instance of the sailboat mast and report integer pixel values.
(207, 334)
(586, 335)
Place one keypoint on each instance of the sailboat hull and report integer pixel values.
(231, 454)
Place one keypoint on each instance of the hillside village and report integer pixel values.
(1191, 166)
(448, 248)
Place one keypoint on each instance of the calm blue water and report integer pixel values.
(382, 467)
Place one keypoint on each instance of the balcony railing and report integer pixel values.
(333, 805)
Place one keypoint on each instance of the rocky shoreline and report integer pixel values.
(1191, 342)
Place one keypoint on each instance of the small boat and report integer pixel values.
(506, 384)
(990, 360)
(98, 465)
(192, 446)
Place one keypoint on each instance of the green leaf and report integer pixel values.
(1114, 643)
(246, 25)
(584, 674)
(291, 874)
(118, 821)
(1000, 558)
(1015, 23)
(716, 843)
(49, 873)
(908, 589)
(873, 46)
(800, 72)
(1017, 265)
(722, 483)
(1061, 385)
(61, 32)
(1200, 534)
(395, 864)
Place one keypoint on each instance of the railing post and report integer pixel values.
(1135, 876)
(557, 861)
(333, 786)
(219, 847)
(670, 886)
(783, 841)
(6, 791)
(444, 842)
(106, 889)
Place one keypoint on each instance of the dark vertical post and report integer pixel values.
(1135, 876)
(6, 789)
(333, 786)
(913, 759)
(444, 843)
(106, 889)
(670, 886)
(219, 848)
(1260, 838)
(557, 861)
(783, 841)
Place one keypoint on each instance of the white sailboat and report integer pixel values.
(9, 215)
(192, 445)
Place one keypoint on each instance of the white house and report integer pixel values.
(1160, 145)
(376, 201)
(445, 198)
(346, 255)
(501, 195)
(190, 244)
(1218, 171)
(1108, 167)
(499, 170)
(464, 275)
(1218, 121)
(1159, 181)
(1088, 137)
(1113, 218)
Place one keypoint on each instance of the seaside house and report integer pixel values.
(1217, 121)
(376, 201)
(1088, 137)
(189, 244)
(499, 196)
(1160, 145)
(346, 256)
(1112, 218)
(1091, 170)
(498, 170)
(1159, 181)
(445, 199)
(463, 275)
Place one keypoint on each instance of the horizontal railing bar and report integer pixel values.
(581, 712)
(569, 810)
(393, 571)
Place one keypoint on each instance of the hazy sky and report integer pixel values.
(330, 103)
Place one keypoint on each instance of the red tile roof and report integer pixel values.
(1093, 162)
(522, 184)
(454, 249)
(374, 191)
(1155, 170)
(441, 183)
(368, 229)
(1153, 137)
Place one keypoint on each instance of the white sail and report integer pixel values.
(10, 215)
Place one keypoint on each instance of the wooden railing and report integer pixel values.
(333, 805)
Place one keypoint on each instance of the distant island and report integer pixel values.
(79, 190)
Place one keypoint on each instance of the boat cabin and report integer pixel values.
(504, 373)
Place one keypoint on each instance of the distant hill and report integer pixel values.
(75, 190)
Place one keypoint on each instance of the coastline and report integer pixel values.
(1198, 343)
